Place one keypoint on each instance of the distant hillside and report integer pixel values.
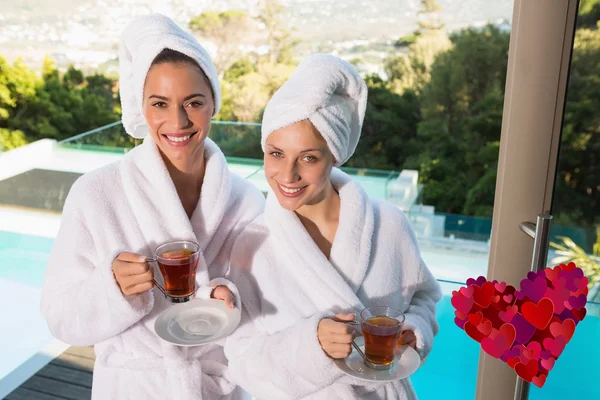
(32, 28)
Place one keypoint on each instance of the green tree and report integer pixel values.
(11, 139)
(52, 106)
(389, 128)
(227, 30)
(17, 85)
(412, 71)
(461, 110)
(577, 193)
(280, 40)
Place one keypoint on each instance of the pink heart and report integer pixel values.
(467, 291)
(581, 283)
(548, 364)
(494, 347)
(508, 315)
(462, 303)
(500, 287)
(508, 298)
(556, 346)
(559, 296)
(536, 348)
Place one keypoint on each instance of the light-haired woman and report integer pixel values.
(322, 251)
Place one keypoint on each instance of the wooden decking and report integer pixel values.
(67, 377)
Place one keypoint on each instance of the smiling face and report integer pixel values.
(178, 106)
(298, 165)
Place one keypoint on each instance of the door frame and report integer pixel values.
(541, 42)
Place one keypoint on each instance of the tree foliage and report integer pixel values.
(227, 30)
(438, 110)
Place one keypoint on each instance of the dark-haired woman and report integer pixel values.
(98, 288)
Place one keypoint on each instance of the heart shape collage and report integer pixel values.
(528, 328)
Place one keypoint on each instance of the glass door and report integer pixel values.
(548, 162)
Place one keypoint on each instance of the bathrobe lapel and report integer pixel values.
(158, 209)
(333, 283)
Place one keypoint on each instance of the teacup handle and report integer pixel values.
(162, 289)
(356, 323)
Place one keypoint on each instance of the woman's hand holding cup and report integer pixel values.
(335, 336)
(408, 337)
(132, 273)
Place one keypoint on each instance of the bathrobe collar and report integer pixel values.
(335, 280)
(156, 204)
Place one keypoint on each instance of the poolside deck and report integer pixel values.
(68, 376)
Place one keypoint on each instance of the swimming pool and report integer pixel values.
(25, 342)
(449, 373)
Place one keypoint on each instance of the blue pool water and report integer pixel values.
(23, 258)
(449, 373)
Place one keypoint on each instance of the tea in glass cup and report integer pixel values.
(381, 327)
(177, 262)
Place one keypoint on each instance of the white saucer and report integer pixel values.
(406, 363)
(197, 322)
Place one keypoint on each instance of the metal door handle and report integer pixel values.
(540, 233)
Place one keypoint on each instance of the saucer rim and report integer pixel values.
(233, 320)
(341, 364)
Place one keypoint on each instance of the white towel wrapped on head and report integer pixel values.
(141, 41)
(331, 94)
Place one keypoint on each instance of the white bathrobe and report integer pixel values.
(287, 285)
(132, 205)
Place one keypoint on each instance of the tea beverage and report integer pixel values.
(381, 333)
(178, 268)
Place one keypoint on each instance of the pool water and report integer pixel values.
(23, 258)
(450, 371)
(25, 338)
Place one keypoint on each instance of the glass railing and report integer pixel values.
(240, 142)
(459, 244)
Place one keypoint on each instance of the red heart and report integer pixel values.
(556, 346)
(485, 327)
(579, 313)
(548, 364)
(539, 314)
(552, 273)
(483, 295)
(509, 332)
(513, 361)
(473, 332)
(566, 329)
(505, 325)
(461, 303)
(569, 267)
(539, 380)
(476, 318)
(527, 371)
(460, 315)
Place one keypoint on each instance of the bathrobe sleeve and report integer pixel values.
(283, 365)
(420, 315)
(426, 292)
(287, 364)
(81, 300)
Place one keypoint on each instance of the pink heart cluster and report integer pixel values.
(527, 328)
